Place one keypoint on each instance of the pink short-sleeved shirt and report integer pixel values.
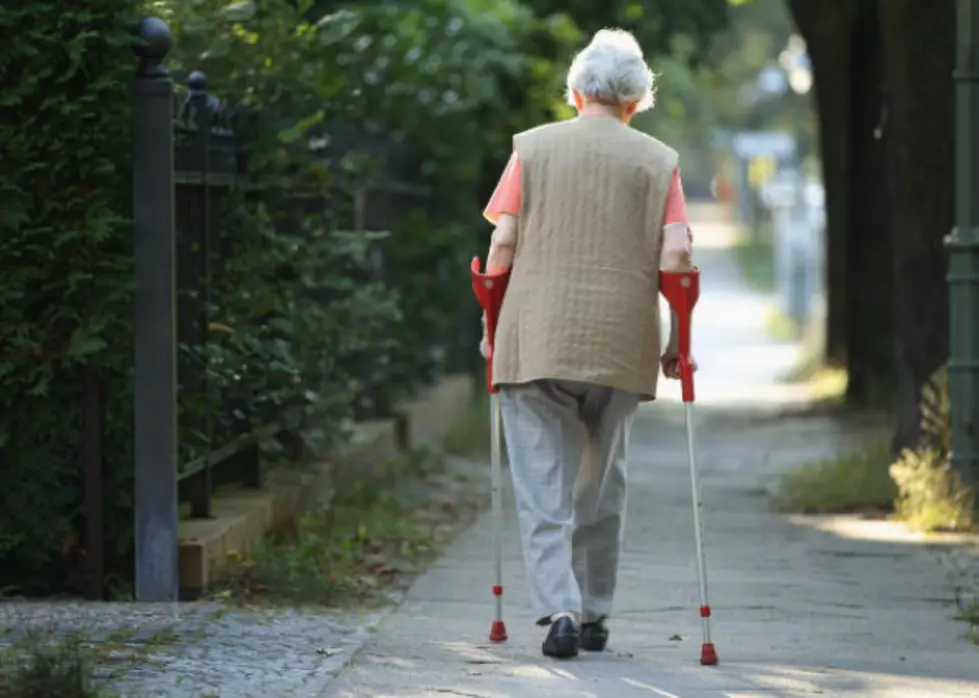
(506, 197)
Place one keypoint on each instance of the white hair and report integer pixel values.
(611, 70)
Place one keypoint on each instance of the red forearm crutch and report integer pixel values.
(489, 290)
(682, 290)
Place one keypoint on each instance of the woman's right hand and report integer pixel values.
(670, 363)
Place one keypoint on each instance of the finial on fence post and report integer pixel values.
(197, 105)
(155, 42)
(197, 82)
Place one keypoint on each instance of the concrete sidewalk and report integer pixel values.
(802, 607)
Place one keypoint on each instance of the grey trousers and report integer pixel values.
(567, 447)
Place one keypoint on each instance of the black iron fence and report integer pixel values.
(208, 163)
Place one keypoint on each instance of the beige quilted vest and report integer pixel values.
(582, 303)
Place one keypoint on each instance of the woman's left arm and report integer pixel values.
(502, 211)
(503, 246)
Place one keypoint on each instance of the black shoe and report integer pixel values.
(594, 636)
(562, 639)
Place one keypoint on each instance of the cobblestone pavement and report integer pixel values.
(830, 606)
(194, 650)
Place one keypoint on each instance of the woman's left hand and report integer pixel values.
(485, 349)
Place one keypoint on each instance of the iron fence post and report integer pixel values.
(200, 503)
(154, 305)
(963, 249)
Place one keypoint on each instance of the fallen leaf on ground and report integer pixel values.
(384, 569)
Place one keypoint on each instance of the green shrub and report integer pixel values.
(289, 324)
(402, 108)
(65, 256)
(301, 332)
(932, 496)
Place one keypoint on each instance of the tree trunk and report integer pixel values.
(869, 268)
(826, 26)
(919, 54)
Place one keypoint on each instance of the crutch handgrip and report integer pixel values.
(490, 289)
(682, 290)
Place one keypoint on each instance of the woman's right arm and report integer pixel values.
(677, 253)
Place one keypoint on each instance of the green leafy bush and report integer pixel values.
(347, 111)
(65, 269)
(290, 321)
(303, 331)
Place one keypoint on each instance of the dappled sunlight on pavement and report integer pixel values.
(856, 528)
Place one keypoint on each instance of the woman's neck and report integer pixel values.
(596, 109)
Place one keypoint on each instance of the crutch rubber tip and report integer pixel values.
(498, 631)
(708, 654)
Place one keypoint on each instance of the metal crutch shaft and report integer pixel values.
(708, 654)
(498, 631)
(682, 290)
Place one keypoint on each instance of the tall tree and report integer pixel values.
(869, 257)
(918, 40)
(827, 27)
(844, 43)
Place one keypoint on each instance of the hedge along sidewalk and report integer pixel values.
(220, 648)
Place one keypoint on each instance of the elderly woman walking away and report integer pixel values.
(587, 213)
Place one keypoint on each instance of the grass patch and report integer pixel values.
(810, 366)
(856, 482)
(757, 261)
(469, 434)
(34, 668)
(370, 535)
(827, 384)
(920, 486)
(932, 496)
(780, 327)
